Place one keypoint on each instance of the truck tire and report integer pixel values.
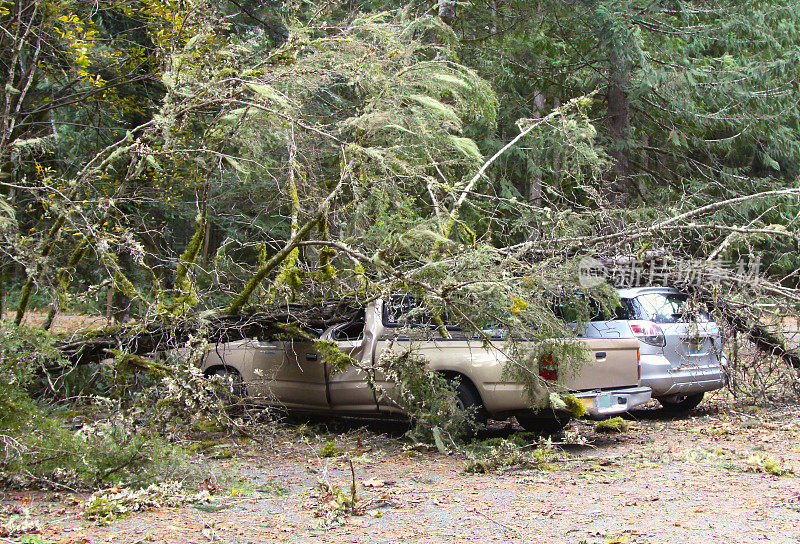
(467, 398)
(543, 424)
(681, 404)
(233, 388)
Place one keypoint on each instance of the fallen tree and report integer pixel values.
(160, 335)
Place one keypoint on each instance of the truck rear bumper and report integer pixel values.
(608, 403)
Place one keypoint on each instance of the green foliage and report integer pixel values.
(766, 464)
(427, 396)
(574, 406)
(330, 449)
(24, 351)
(520, 451)
(336, 359)
(108, 505)
(122, 120)
(46, 448)
(44, 451)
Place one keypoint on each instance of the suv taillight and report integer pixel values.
(648, 332)
(548, 368)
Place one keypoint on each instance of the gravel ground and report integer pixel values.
(702, 478)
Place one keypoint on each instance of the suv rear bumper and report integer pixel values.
(608, 403)
(664, 379)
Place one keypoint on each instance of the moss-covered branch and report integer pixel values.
(242, 298)
(46, 248)
(183, 285)
(63, 280)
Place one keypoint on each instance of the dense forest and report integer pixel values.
(182, 166)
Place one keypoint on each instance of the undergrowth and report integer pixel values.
(95, 440)
(114, 503)
(612, 425)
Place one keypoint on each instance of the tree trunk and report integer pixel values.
(535, 188)
(618, 118)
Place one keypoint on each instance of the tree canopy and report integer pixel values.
(201, 158)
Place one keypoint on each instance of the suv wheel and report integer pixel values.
(681, 404)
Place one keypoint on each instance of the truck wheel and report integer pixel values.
(469, 399)
(544, 425)
(681, 404)
(232, 387)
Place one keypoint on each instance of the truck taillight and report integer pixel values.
(648, 332)
(548, 369)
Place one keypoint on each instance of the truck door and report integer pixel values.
(348, 389)
(287, 373)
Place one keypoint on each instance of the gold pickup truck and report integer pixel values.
(291, 373)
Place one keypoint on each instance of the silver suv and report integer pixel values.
(680, 347)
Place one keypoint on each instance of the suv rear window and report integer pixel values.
(569, 310)
(661, 308)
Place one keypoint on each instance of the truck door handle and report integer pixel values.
(311, 356)
(600, 354)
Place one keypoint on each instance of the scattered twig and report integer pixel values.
(501, 524)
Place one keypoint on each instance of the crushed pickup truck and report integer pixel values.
(294, 375)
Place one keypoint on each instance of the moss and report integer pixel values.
(243, 298)
(612, 425)
(293, 331)
(128, 362)
(477, 466)
(27, 288)
(326, 271)
(207, 426)
(767, 465)
(221, 452)
(575, 406)
(771, 466)
(203, 446)
(330, 449)
(186, 290)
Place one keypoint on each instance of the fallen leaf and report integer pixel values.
(208, 485)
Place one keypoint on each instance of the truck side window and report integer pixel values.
(403, 311)
(350, 331)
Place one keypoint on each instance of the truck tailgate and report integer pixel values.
(613, 363)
